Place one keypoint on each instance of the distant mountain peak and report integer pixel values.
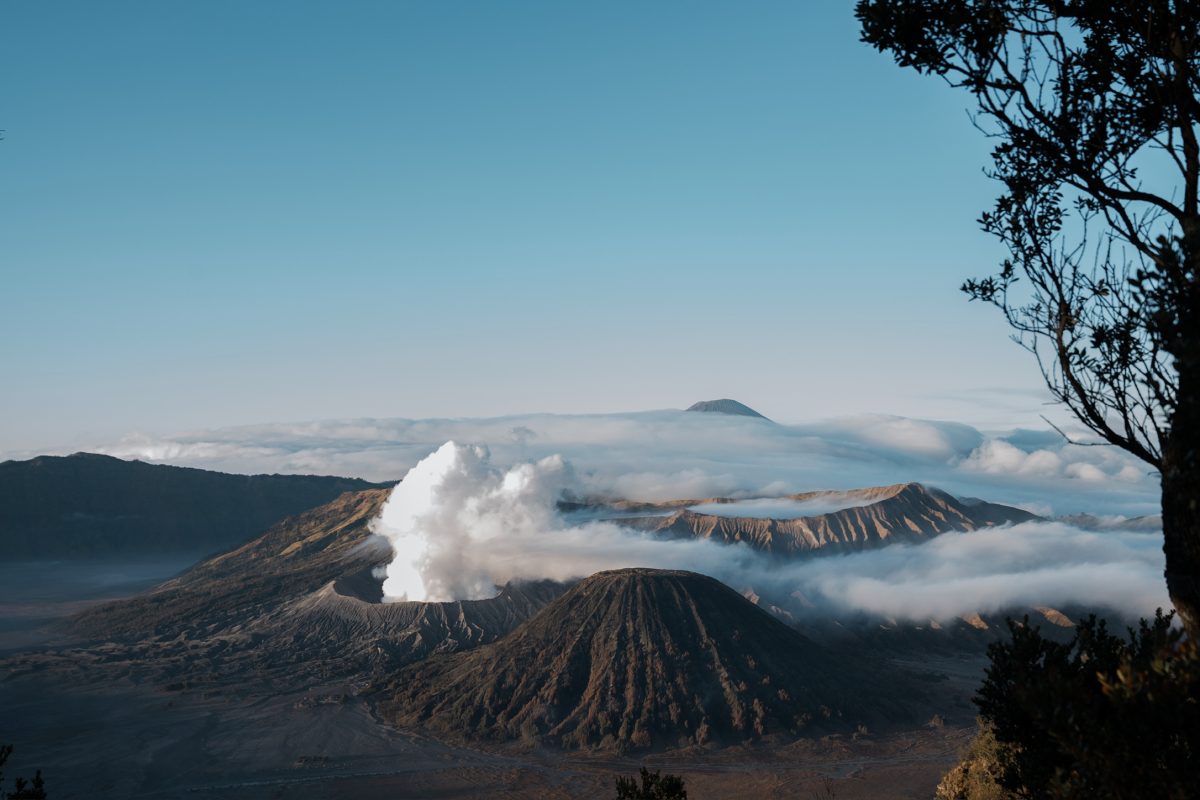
(725, 406)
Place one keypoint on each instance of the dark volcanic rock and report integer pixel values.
(346, 634)
(89, 505)
(644, 658)
(725, 406)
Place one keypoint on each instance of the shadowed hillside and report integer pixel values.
(88, 505)
(292, 558)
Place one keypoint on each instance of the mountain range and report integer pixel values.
(621, 660)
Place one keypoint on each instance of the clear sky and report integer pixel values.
(227, 212)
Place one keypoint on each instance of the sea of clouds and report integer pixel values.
(660, 455)
(482, 511)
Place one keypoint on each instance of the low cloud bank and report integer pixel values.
(1031, 564)
(660, 455)
(460, 526)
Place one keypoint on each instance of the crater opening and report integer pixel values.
(365, 585)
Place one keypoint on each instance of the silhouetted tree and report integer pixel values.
(653, 787)
(22, 789)
(1093, 105)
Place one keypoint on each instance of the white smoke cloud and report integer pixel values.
(460, 526)
(454, 519)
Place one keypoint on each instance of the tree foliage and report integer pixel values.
(654, 786)
(1094, 108)
(977, 776)
(1098, 717)
(22, 789)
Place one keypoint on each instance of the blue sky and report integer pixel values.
(221, 213)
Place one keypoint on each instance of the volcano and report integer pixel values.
(639, 658)
(905, 512)
(298, 604)
(292, 558)
(725, 406)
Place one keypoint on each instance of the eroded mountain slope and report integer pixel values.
(642, 658)
(905, 512)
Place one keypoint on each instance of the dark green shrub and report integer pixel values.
(1098, 717)
(653, 787)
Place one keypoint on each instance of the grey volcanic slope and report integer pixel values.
(905, 512)
(88, 505)
(643, 658)
(332, 632)
(724, 406)
(296, 605)
(292, 558)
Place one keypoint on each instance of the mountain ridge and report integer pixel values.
(89, 505)
(293, 557)
(903, 512)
